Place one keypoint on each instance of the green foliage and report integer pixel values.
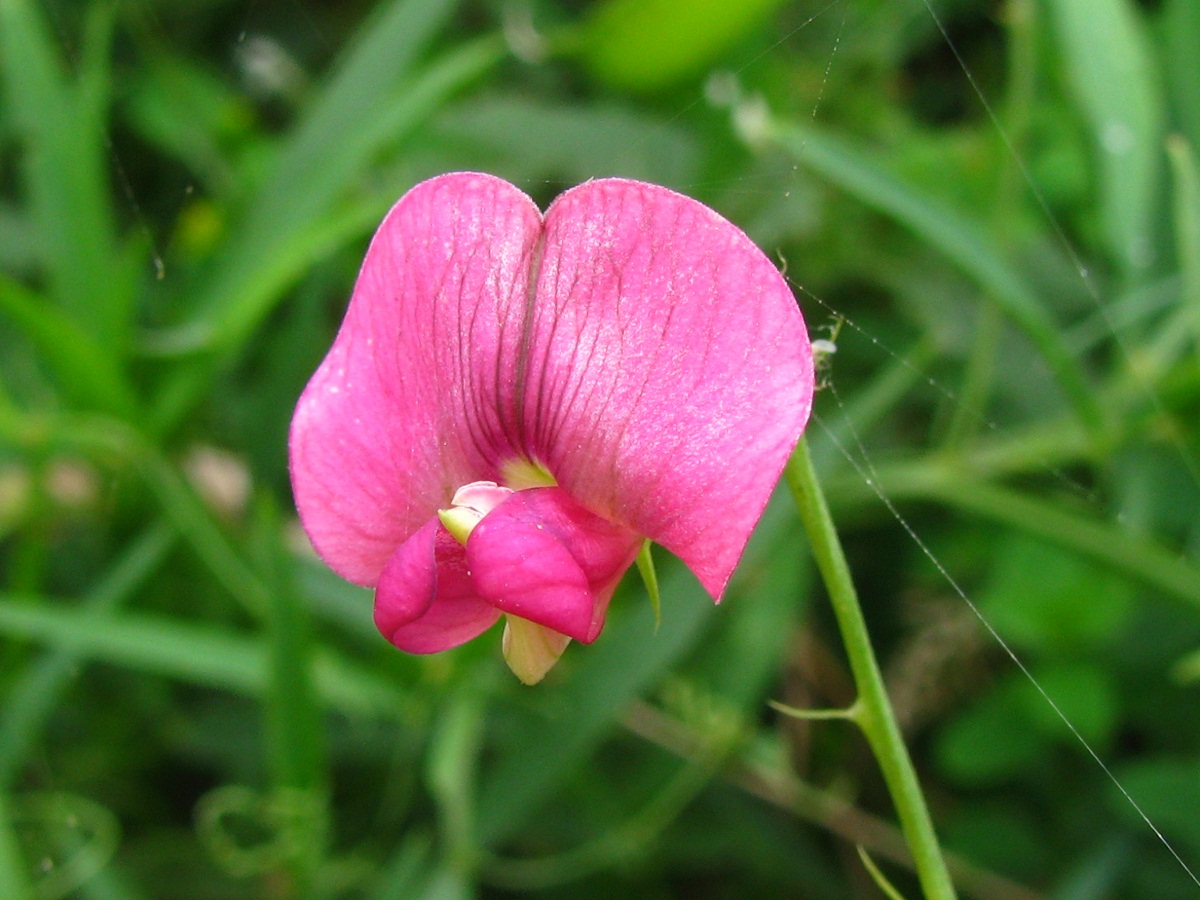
(191, 706)
(645, 45)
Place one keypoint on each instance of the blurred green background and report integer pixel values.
(193, 707)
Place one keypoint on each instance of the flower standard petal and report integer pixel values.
(669, 369)
(408, 404)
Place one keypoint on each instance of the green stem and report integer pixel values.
(873, 710)
(13, 867)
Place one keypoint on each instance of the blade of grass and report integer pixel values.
(295, 733)
(1180, 35)
(198, 654)
(1108, 62)
(86, 373)
(34, 694)
(197, 525)
(957, 238)
(295, 737)
(453, 758)
(341, 129)
(1138, 557)
(13, 870)
(1187, 222)
(249, 283)
(115, 444)
(61, 127)
(617, 669)
(407, 867)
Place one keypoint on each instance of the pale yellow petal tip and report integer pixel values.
(531, 650)
(520, 474)
(460, 521)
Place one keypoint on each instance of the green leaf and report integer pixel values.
(646, 45)
(1043, 598)
(1109, 65)
(1165, 789)
(991, 741)
(1083, 693)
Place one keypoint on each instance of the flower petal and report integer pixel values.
(407, 406)
(669, 373)
(541, 556)
(425, 601)
(659, 370)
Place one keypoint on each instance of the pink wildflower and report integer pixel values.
(515, 402)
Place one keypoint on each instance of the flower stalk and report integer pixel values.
(872, 710)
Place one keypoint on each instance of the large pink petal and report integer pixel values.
(541, 556)
(408, 405)
(669, 373)
(425, 601)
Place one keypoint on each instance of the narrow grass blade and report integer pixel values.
(13, 869)
(267, 255)
(294, 720)
(37, 690)
(202, 655)
(85, 372)
(961, 241)
(1180, 30)
(297, 741)
(1108, 62)
(61, 126)
(1187, 222)
(1137, 557)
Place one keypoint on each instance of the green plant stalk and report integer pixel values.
(292, 716)
(12, 862)
(872, 710)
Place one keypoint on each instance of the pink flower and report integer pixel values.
(515, 402)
